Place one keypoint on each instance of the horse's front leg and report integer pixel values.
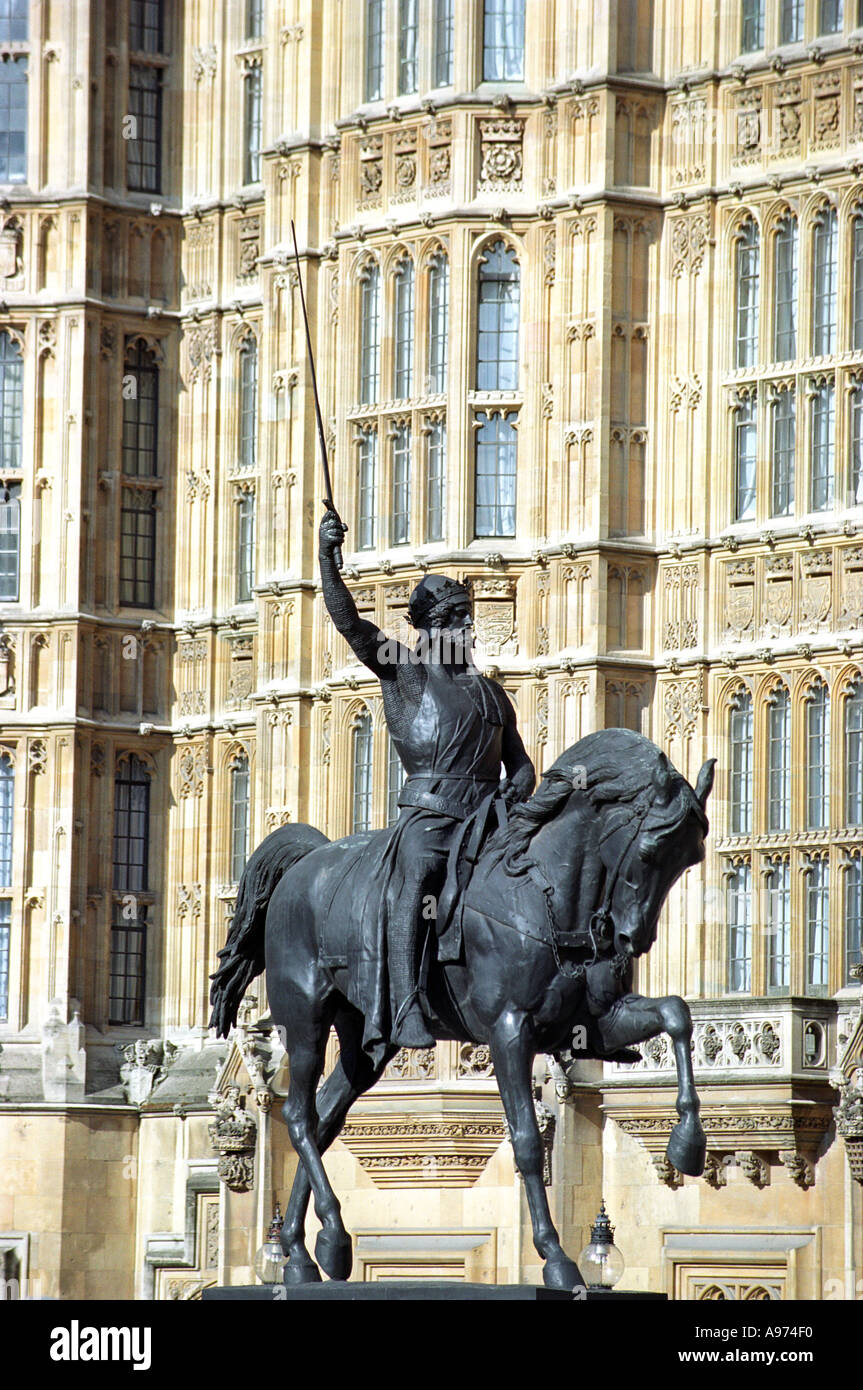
(634, 1019)
(513, 1051)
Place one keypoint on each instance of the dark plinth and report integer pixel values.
(418, 1290)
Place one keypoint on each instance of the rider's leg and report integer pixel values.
(409, 1027)
(423, 856)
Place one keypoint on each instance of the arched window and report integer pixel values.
(751, 26)
(438, 336)
(739, 923)
(144, 147)
(145, 26)
(785, 291)
(817, 757)
(11, 403)
(245, 572)
(853, 915)
(253, 109)
(400, 511)
(784, 453)
(817, 922)
(240, 816)
(830, 16)
(395, 781)
(778, 759)
(857, 280)
(745, 472)
(779, 925)
(7, 798)
(14, 16)
(140, 462)
(367, 490)
(10, 542)
(791, 21)
(14, 29)
(247, 444)
(131, 854)
(503, 40)
(404, 330)
(854, 754)
(822, 445)
(374, 76)
(443, 43)
(747, 295)
(362, 798)
(499, 305)
(370, 334)
(254, 19)
(494, 508)
(140, 412)
(435, 480)
(740, 739)
(855, 470)
(408, 33)
(824, 274)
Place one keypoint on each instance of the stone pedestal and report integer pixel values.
(415, 1290)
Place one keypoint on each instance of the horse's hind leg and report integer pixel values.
(333, 1247)
(353, 1074)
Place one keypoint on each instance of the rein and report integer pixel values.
(601, 918)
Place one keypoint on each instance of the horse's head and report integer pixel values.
(651, 826)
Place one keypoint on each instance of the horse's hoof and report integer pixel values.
(335, 1253)
(301, 1270)
(562, 1274)
(687, 1148)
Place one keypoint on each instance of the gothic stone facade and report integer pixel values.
(586, 294)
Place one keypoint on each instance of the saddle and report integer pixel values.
(467, 846)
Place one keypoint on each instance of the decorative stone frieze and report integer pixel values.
(448, 1149)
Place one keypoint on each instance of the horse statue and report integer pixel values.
(561, 899)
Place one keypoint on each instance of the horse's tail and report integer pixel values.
(242, 957)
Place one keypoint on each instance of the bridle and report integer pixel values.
(600, 919)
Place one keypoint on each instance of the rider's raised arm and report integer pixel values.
(372, 646)
(520, 772)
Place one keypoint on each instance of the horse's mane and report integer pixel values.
(612, 767)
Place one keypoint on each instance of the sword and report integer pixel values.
(328, 485)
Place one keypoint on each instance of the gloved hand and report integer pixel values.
(331, 533)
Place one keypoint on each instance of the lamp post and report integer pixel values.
(270, 1260)
(600, 1261)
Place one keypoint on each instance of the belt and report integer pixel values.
(413, 795)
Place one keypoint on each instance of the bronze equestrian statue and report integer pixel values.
(534, 943)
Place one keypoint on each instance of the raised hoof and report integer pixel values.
(301, 1270)
(687, 1148)
(562, 1274)
(335, 1254)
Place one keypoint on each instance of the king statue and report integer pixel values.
(453, 729)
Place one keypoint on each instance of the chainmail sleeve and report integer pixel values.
(366, 640)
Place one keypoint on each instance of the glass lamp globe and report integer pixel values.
(600, 1262)
(270, 1260)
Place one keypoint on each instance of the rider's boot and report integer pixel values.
(409, 1028)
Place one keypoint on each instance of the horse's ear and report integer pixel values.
(662, 779)
(705, 781)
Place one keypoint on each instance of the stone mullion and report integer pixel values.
(459, 525)
(597, 515)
